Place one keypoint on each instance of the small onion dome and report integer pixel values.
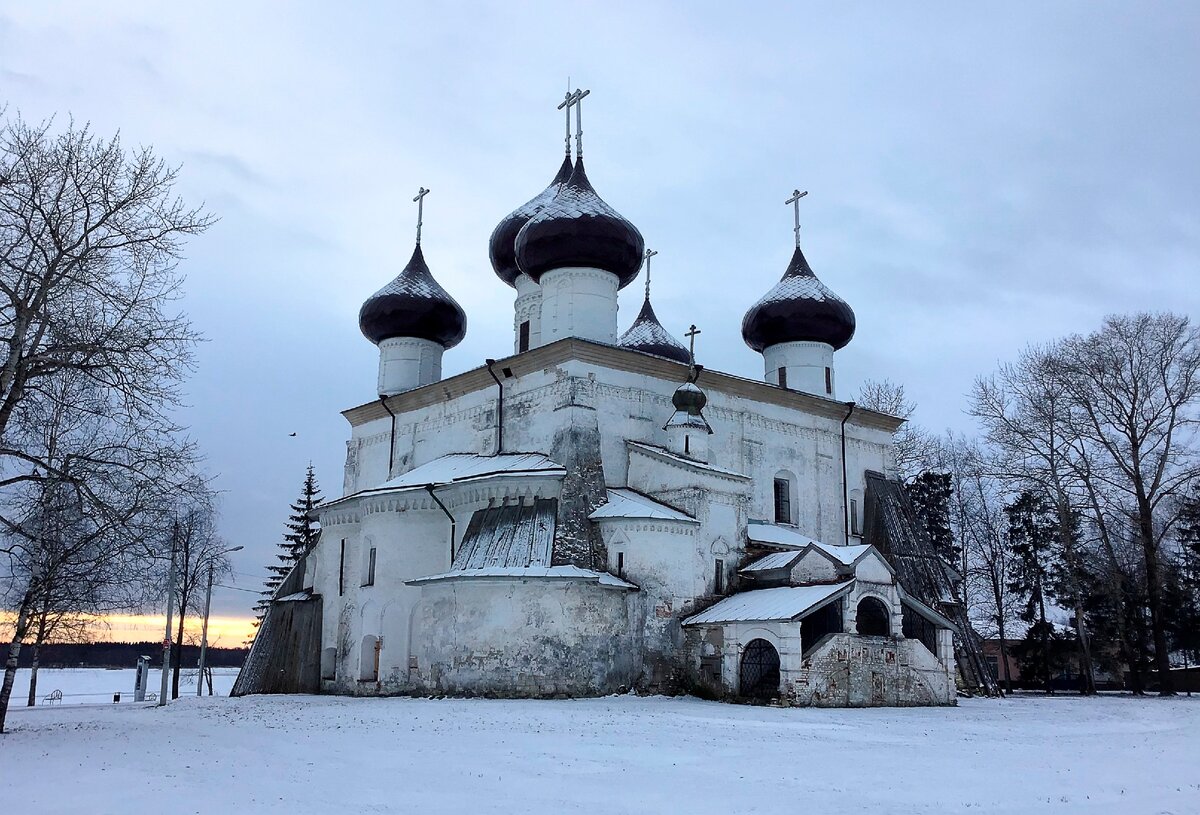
(799, 309)
(578, 229)
(648, 336)
(689, 399)
(413, 305)
(502, 246)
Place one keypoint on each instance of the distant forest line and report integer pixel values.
(125, 655)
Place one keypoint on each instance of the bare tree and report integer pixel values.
(1026, 415)
(980, 527)
(199, 550)
(912, 445)
(90, 239)
(1135, 386)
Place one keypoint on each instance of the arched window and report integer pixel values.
(873, 618)
(784, 496)
(368, 659)
(759, 675)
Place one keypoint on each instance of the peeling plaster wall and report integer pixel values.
(523, 638)
(852, 671)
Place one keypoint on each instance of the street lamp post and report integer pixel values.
(204, 628)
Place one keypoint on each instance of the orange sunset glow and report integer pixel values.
(223, 631)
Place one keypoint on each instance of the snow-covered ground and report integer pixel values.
(305, 754)
(97, 685)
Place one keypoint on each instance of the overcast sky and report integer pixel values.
(979, 179)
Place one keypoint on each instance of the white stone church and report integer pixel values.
(594, 512)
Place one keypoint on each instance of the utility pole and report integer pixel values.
(204, 628)
(166, 661)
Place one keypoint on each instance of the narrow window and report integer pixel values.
(369, 575)
(621, 564)
(782, 375)
(523, 337)
(342, 570)
(687, 444)
(783, 501)
(854, 528)
(829, 381)
(719, 578)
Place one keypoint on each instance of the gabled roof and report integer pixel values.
(765, 605)
(849, 556)
(624, 503)
(775, 560)
(774, 535)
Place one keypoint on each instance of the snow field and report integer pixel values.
(627, 754)
(97, 685)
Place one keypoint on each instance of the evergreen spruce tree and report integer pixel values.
(300, 538)
(1032, 532)
(930, 494)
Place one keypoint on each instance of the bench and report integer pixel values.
(52, 697)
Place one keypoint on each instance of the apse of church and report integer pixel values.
(597, 512)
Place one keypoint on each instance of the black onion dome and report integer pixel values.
(502, 247)
(578, 229)
(413, 305)
(689, 399)
(800, 308)
(648, 336)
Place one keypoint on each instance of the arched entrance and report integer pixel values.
(759, 675)
(873, 619)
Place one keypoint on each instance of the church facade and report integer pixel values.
(595, 513)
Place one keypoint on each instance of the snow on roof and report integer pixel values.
(775, 560)
(846, 555)
(664, 453)
(787, 603)
(468, 466)
(532, 572)
(775, 535)
(627, 503)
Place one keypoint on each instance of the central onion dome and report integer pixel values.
(648, 336)
(413, 305)
(800, 308)
(577, 229)
(502, 247)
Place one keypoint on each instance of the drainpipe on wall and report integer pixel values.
(845, 485)
(499, 408)
(391, 438)
(438, 501)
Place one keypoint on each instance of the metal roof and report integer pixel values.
(626, 503)
(467, 466)
(531, 573)
(787, 603)
(775, 535)
(514, 536)
(775, 560)
(664, 453)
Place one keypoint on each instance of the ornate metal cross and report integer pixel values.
(649, 254)
(420, 199)
(566, 103)
(795, 202)
(691, 335)
(574, 100)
